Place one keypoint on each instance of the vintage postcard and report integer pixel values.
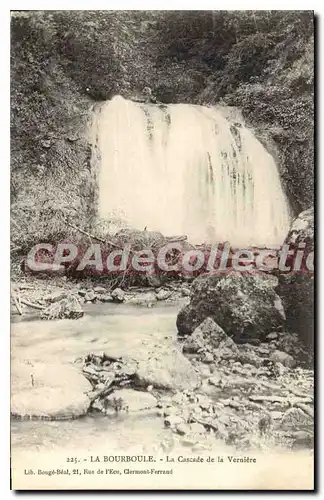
(162, 250)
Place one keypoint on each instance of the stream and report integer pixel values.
(117, 329)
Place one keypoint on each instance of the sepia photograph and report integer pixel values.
(162, 250)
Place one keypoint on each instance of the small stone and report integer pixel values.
(272, 336)
(105, 298)
(46, 143)
(179, 398)
(197, 428)
(204, 402)
(56, 296)
(280, 369)
(173, 421)
(183, 429)
(118, 295)
(100, 290)
(90, 296)
(82, 292)
(264, 423)
(149, 388)
(90, 370)
(209, 358)
(185, 291)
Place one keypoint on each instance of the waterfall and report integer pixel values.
(186, 169)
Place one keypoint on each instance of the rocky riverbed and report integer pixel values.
(248, 396)
(204, 387)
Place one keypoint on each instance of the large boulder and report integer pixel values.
(297, 289)
(245, 305)
(140, 240)
(48, 391)
(167, 368)
(209, 341)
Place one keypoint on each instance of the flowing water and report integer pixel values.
(186, 169)
(118, 330)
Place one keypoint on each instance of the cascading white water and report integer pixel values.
(185, 169)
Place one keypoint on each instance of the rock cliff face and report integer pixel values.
(297, 290)
(63, 63)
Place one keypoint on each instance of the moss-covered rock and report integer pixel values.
(244, 305)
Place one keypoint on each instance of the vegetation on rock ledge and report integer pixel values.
(64, 62)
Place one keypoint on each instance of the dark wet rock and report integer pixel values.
(52, 391)
(208, 358)
(245, 306)
(302, 229)
(91, 371)
(197, 428)
(297, 290)
(291, 344)
(283, 358)
(118, 295)
(69, 308)
(183, 429)
(99, 405)
(56, 296)
(264, 424)
(249, 356)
